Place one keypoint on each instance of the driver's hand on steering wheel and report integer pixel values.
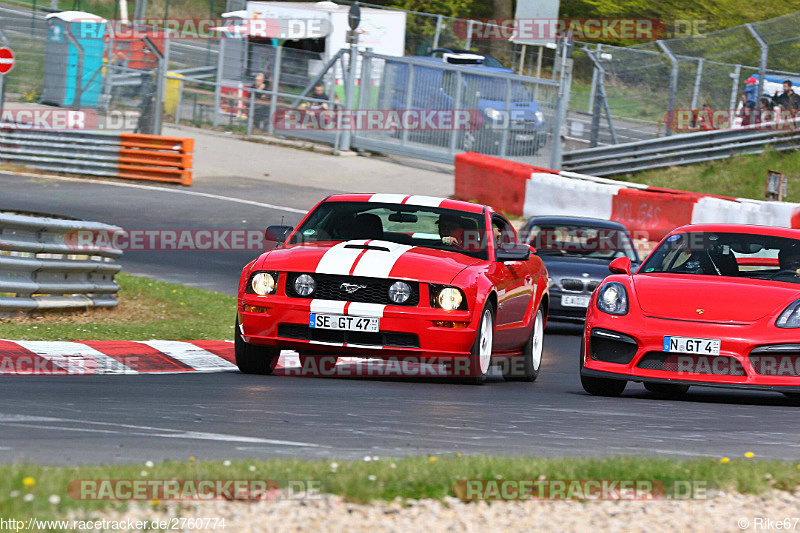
(450, 240)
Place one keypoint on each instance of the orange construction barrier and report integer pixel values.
(155, 158)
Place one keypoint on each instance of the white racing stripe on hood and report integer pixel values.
(339, 259)
(327, 306)
(364, 309)
(379, 263)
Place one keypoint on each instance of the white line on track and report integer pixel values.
(164, 189)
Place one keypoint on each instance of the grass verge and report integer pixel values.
(148, 309)
(381, 479)
(740, 176)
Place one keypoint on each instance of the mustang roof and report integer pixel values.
(741, 228)
(409, 199)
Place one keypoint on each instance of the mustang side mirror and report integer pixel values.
(620, 265)
(278, 233)
(512, 252)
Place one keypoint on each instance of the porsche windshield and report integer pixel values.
(428, 227)
(741, 255)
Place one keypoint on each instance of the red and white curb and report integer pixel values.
(172, 357)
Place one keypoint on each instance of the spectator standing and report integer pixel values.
(788, 100)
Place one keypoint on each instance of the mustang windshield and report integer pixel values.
(741, 255)
(428, 227)
(581, 241)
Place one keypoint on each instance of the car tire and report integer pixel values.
(480, 358)
(795, 396)
(252, 358)
(666, 389)
(531, 354)
(600, 386)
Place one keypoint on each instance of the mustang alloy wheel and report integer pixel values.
(481, 356)
(526, 367)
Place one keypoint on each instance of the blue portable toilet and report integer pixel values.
(73, 65)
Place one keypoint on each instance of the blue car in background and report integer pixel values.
(436, 88)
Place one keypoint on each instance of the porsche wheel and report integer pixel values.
(666, 389)
(527, 367)
(480, 359)
(251, 358)
(600, 386)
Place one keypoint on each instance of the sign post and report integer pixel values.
(776, 186)
(6, 64)
(353, 20)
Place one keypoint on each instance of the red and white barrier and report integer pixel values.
(649, 212)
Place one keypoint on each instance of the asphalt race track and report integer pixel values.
(118, 418)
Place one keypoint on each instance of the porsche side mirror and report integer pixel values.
(278, 233)
(620, 265)
(512, 252)
(533, 249)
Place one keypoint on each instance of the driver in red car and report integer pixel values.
(451, 231)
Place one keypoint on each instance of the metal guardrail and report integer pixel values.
(39, 269)
(684, 149)
(121, 155)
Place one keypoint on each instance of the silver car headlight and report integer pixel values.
(790, 318)
(263, 283)
(612, 298)
(304, 285)
(399, 292)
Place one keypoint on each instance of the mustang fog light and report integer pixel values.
(255, 309)
(613, 299)
(304, 285)
(790, 318)
(449, 324)
(263, 283)
(449, 298)
(399, 292)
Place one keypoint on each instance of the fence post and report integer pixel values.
(562, 106)
(457, 106)
(762, 60)
(597, 75)
(593, 86)
(438, 31)
(696, 90)
(468, 43)
(507, 120)
(734, 90)
(409, 100)
(162, 87)
(218, 85)
(673, 79)
(349, 93)
(178, 105)
(250, 112)
(276, 80)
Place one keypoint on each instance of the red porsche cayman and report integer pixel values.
(714, 305)
(394, 276)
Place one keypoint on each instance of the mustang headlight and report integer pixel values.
(304, 285)
(612, 298)
(263, 283)
(399, 292)
(492, 113)
(790, 318)
(449, 298)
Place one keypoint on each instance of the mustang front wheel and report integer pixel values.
(527, 367)
(251, 358)
(481, 356)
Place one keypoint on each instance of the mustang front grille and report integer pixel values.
(383, 338)
(353, 289)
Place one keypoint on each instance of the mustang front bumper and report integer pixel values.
(405, 331)
(754, 355)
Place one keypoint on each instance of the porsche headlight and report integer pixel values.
(304, 285)
(449, 298)
(612, 298)
(492, 113)
(399, 292)
(263, 283)
(790, 318)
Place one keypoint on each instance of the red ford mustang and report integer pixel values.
(712, 305)
(395, 276)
